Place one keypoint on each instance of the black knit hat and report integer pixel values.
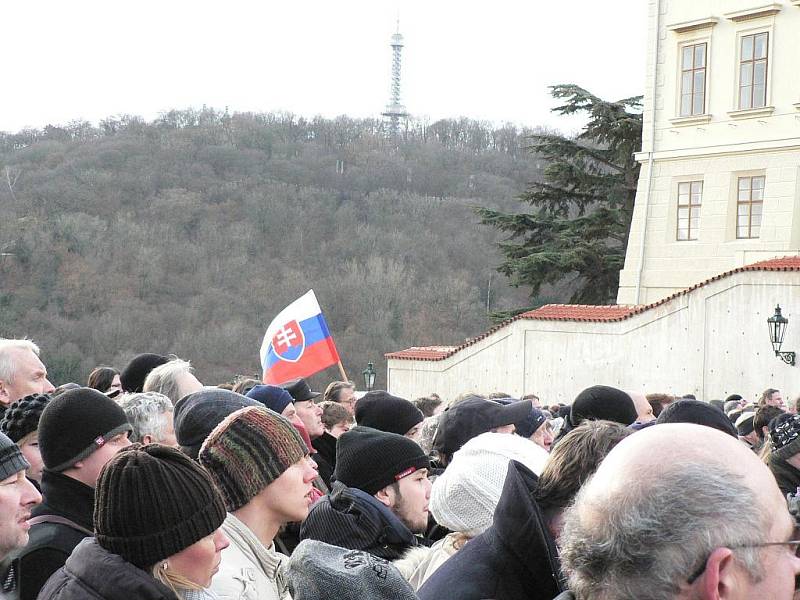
(380, 410)
(153, 501)
(76, 424)
(602, 402)
(696, 411)
(473, 416)
(11, 459)
(369, 460)
(133, 375)
(22, 417)
(197, 414)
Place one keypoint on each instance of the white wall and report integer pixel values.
(711, 342)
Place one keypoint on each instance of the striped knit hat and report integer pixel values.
(249, 450)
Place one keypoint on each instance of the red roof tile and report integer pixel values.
(423, 353)
(579, 312)
(589, 313)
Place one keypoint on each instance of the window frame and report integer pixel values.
(682, 70)
(753, 62)
(691, 38)
(693, 210)
(750, 204)
(768, 108)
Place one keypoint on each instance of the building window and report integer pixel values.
(693, 80)
(753, 71)
(749, 204)
(690, 195)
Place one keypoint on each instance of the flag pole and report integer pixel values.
(341, 371)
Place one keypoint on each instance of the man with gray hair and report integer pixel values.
(676, 531)
(174, 380)
(150, 415)
(22, 373)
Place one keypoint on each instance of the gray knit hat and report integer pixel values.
(318, 570)
(250, 449)
(11, 459)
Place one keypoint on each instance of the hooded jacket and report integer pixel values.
(94, 573)
(515, 559)
(350, 518)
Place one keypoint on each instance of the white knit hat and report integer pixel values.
(464, 497)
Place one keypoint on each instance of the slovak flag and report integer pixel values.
(298, 342)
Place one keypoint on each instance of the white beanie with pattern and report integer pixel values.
(464, 497)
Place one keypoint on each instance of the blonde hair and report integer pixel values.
(174, 581)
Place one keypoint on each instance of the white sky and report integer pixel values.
(89, 59)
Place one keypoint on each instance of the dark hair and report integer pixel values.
(244, 385)
(101, 378)
(766, 396)
(333, 413)
(574, 459)
(334, 390)
(765, 414)
(659, 401)
(427, 405)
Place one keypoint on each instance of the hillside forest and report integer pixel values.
(189, 233)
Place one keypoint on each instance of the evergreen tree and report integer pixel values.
(583, 208)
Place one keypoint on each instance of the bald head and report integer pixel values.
(662, 501)
(671, 446)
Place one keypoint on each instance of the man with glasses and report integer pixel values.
(662, 519)
(343, 392)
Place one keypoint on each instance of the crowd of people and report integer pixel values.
(147, 484)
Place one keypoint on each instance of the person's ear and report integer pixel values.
(77, 465)
(5, 396)
(386, 496)
(147, 439)
(721, 579)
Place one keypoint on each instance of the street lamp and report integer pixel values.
(777, 329)
(369, 377)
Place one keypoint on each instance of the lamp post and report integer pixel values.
(777, 324)
(369, 377)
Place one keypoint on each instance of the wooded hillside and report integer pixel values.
(187, 234)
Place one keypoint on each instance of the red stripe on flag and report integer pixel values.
(316, 357)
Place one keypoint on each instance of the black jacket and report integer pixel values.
(93, 573)
(787, 477)
(325, 445)
(51, 543)
(352, 519)
(515, 559)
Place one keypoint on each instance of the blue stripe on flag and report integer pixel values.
(314, 329)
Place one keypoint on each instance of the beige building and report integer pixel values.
(719, 185)
(718, 199)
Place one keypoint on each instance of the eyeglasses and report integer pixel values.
(794, 545)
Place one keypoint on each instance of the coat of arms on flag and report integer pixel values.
(297, 342)
(289, 342)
